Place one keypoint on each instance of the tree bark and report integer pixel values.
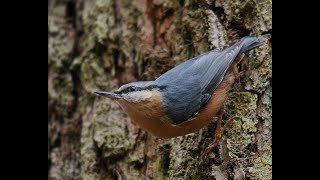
(102, 44)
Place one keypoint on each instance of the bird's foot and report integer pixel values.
(218, 136)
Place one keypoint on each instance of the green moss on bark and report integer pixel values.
(255, 16)
(185, 155)
(241, 107)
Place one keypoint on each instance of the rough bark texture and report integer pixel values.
(102, 44)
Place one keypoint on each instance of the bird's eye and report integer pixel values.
(132, 89)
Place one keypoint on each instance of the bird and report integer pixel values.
(187, 97)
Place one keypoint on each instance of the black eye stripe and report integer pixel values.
(134, 88)
(129, 89)
(155, 86)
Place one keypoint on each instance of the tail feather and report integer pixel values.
(249, 43)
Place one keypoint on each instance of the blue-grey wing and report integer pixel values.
(190, 85)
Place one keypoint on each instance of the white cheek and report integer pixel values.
(138, 96)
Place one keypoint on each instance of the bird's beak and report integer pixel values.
(108, 94)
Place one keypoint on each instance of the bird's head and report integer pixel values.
(133, 92)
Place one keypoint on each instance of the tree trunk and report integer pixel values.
(102, 44)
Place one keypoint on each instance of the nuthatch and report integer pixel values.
(187, 97)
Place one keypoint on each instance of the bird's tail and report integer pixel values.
(249, 43)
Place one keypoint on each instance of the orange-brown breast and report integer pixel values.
(150, 114)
